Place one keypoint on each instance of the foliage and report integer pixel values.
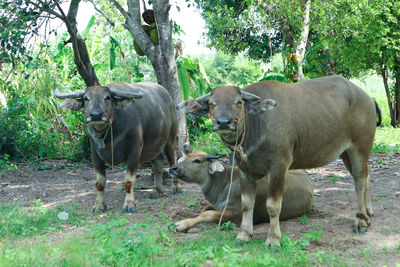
(240, 26)
(5, 165)
(347, 26)
(26, 136)
(223, 69)
(18, 21)
(192, 77)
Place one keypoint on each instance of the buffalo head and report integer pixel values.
(98, 102)
(196, 166)
(227, 106)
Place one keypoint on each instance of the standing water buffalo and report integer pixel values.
(122, 130)
(214, 179)
(281, 126)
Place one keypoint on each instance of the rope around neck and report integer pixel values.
(229, 190)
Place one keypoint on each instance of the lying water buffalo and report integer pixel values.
(124, 130)
(281, 126)
(214, 179)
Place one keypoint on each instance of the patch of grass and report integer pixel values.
(334, 178)
(17, 222)
(314, 235)
(118, 242)
(192, 203)
(303, 219)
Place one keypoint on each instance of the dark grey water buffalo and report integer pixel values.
(122, 129)
(280, 126)
(214, 179)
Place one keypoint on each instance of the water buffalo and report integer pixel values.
(214, 179)
(122, 129)
(281, 126)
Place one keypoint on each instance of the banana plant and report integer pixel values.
(192, 77)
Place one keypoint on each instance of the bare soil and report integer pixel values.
(335, 204)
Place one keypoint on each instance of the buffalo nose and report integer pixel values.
(173, 168)
(96, 115)
(223, 122)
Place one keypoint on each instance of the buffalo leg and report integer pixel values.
(248, 196)
(157, 169)
(205, 216)
(170, 154)
(129, 204)
(100, 171)
(276, 182)
(358, 168)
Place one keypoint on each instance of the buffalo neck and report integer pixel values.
(215, 186)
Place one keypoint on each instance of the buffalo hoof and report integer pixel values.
(181, 226)
(273, 242)
(97, 210)
(361, 224)
(128, 210)
(243, 236)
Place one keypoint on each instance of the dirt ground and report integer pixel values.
(61, 182)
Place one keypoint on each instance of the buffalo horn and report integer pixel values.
(124, 94)
(248, 96)
(76, 94)
(212, 157)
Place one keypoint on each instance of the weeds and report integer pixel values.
(314, 235)
(303, 219)
(334, 178)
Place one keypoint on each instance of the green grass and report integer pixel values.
(118, 242)
(19, 222)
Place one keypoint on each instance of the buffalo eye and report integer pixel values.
(107, 97)
(239, 102)
(85, 98)
(196, 161)
(212, 104)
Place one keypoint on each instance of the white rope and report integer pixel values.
(229, 192)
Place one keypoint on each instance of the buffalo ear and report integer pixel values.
(215, 166)
(122, 102)
(198, 106)
(255, 107)
(72, 104)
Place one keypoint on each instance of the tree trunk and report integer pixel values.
(301, 48)
(387, 90)
(396, 105)
(81, 55)
(161, 55)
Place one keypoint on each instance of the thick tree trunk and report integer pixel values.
(161, 55)
(81, 55)
(301, 48)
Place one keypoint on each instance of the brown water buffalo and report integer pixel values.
(281, 126)
(214, 179)
(122, 129)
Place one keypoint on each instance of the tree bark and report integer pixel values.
(396, 105)
(301, 48)
(81, 55)
(161, 55)
(387, 90)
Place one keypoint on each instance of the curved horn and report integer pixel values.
(203, 98)
(76, 94)
(117, 93)
(212, 157)
(248, 96)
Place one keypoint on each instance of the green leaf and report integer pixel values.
(183, 81)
